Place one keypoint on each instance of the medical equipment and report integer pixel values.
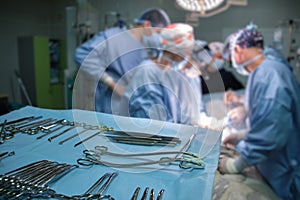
(59, 134)
(187, 161)
(87, 138)
(145, 193)
(72, 136)
(28, 125)
(99, 193)
(32, 180)
(6, 154)
(206, 8)
(141, 138)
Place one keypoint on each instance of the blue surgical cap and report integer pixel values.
(156, 16)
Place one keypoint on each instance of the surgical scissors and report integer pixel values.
(187, 161)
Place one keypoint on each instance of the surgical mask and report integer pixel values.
(218, 63)
(241, 68)
(179, 65)
(152, 41)
(192, 72)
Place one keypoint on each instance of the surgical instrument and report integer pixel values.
(72, 136)
(6, 154)
(144, 135)
(87, 138)
(19, 120)
(141, 141)
(145, 194)
(188, 160)
(49, 132)
(59, 134)
(99, 194)
(3, 133)
(32, 180)
(135, 194)
(47, 129)
(102, 129)
(160, 194)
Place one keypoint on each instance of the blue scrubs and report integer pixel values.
(165, 95)
(115, 52)
(272, 143)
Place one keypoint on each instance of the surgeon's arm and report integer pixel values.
(271, 125)
(91, 57)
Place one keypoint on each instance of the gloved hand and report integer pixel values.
(227, 165)
(231, 165)
(232, 98)
(233, 138)
(207, 122)
(118, 89)
(238, 114)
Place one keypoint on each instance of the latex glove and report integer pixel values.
(118, 89)
(232, 98)
(232, 139)
(238, 114)
(213, 123)
(227, 165)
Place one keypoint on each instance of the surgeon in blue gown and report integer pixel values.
(160, 88)
(110, 54)
(272, 141)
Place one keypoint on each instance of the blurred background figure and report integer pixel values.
(160, 88)
(111, 53)
(271, 106)
(214, 76)
(120, 22)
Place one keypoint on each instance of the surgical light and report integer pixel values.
(207, 8)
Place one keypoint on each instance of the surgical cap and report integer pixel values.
(201, 52)
(216, 47)
(156, 16)
(178, 38)
(246, 38)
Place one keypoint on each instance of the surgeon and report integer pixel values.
(112, 53)
(161, 89)
(272, 98)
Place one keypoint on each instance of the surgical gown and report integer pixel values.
(273, 140)
(166, 95)
(115, 52)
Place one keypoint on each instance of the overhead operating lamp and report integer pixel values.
(207, 8)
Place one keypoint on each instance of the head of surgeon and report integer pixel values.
(177, 42)
(244, 49)
(148, 25)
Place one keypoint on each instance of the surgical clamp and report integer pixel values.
(188, 160)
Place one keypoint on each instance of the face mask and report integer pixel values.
(152, 41)
(241, 68)
(192, 72)
(218, 64)
(179, 65)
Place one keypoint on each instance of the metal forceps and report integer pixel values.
(187, 161)
(99, 194)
